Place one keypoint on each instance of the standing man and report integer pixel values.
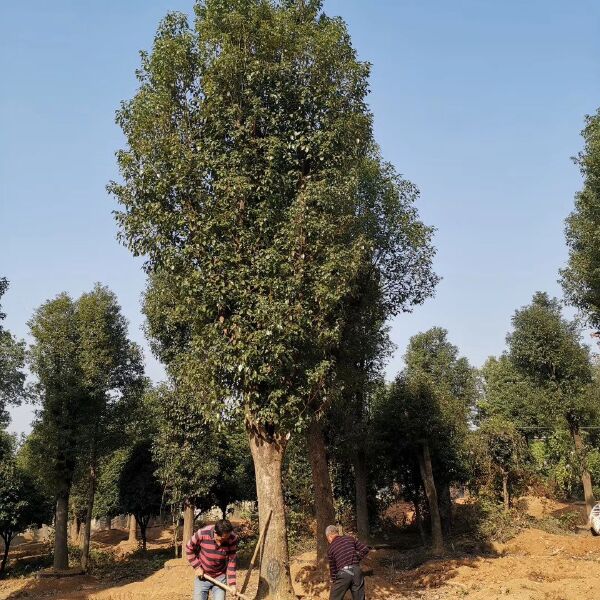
(213, 551)
(345, 554)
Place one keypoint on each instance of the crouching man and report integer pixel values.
(212, 551)
(345, 554)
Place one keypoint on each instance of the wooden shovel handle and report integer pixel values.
(224, 586)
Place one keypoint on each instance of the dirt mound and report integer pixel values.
(539, 507)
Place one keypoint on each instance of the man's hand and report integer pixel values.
(233, 590)
(199, 572)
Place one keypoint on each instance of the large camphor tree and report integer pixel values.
(240, 178)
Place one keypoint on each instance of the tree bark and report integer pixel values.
(61, 551)
(7, 542)
(108, 523)
(74, 533)
(143, 523)
(586, 478)
(419, 520)
(87, 530)
(437, 540)
(360, 488)
(268, 449)
(223, 508)
(132, 529)
(188, 524)
(446, 509)
(324, 507)
(505, 492)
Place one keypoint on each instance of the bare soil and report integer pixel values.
(534, 565)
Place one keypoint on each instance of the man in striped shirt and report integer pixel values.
(213, 551)
(345, 554)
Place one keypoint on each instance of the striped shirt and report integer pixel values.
(202, 551)
(345, 551)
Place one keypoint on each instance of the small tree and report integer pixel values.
(21, 505)
(140, 492)
(503, 455)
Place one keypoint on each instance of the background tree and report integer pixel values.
(61, 420)
(185, 451)
(22, 504)
(581, 278)
(512, 396)
(547, 348)
(240, 180)
(430, 402)
(502, 457)
(140, 492)
(111, 366)
(398, 276)
(12, 362)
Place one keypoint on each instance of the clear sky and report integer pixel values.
(479, 102)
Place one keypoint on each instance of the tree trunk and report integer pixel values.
(505, 492)
(61, 551)
(74, 533)
(446, 509)
(87, 530)
(132, 529)
(108, 523)
(419, 521)
(223, 508)
(5, 554)
(324, 508)
(176, 537)
(143, 523)
(360, 487)
(275, 582)
(586, 478)
(437, 540)
(188, 524)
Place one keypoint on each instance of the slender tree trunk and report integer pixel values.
(223, 508)
(176, 536)
(61, 551)
(87, 530)
(505, 492)
(324, 508)
(419, 520)
(586, 478)
(143, 523)
(108, 523)
(132, 529)
(446, 508)
(188, 524)
(7, 542)
(275, 582)
(74, 533)
(437, 540)
(360, 488)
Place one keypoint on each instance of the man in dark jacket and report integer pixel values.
(345, 554)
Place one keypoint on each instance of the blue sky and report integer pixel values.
(479, 102)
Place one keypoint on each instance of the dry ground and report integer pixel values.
(534, 565)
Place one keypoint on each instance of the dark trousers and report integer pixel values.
(348, 579)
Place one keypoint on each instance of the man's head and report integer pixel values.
(331, 532)
(223, 529)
